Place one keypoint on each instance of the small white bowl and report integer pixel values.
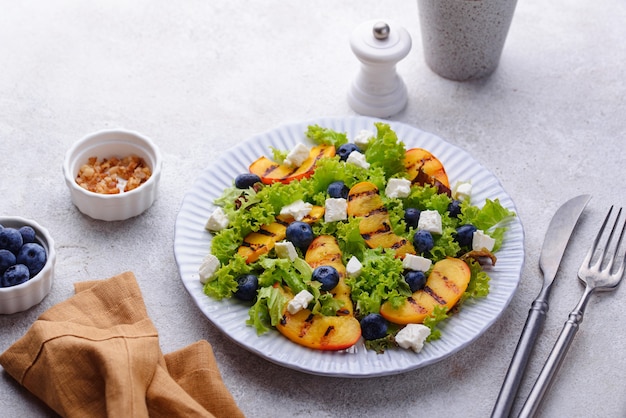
(107, 144)
(28, 294)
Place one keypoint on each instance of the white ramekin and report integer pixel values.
(107, 144)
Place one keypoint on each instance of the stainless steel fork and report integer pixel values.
(601, 271)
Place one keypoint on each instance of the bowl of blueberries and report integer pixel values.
(27, 260)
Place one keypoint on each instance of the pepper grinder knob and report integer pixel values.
(377, 89)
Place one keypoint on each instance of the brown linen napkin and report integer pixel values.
(97, 354)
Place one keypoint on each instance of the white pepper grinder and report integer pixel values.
(378, 90)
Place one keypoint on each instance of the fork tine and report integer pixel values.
(594, 246)
(608, 258)
(605, 251)
(620, 270)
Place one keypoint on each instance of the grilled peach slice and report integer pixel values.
(317, 331)
(270, 171)
(324, 251)
(262, 241)
(365, 202)
(320, 332)
(445, 286)
(424, 168)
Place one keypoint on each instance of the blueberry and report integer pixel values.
(465, 234)
(373, 326)
(11, 239)
(247, 285)
(412, 217)
(14, 275)
(346, 149)
(423, 241)
(338, 189)
(300, 234)
(415, 279)
(454, 208)
(28, 234)
(33, 256)
(327, 275)
(246, 180)
(7, 259)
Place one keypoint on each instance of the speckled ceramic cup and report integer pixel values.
(463, 39)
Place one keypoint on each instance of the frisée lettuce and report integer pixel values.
(381, 278)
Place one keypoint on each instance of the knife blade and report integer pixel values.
(556, 239)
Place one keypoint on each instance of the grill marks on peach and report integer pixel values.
(262, 241)
(434, 295)
(270, 171)
(364, 202)
(444, 287)
(424, 168)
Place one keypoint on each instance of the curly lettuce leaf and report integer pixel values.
(279, 155)
(294, 274)
(386, 151)
(268, 309)
(332, 169)
(225, 282)
(478, 286)
(380, 280)
(488, 219)
(427, 198)
(440, 313)
(325, 136)
(246, 209)
(323, 302)
(225, 243)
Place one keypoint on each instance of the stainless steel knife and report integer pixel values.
(559, 231)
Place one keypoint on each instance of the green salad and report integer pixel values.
(268, 280)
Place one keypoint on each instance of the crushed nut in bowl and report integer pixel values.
(113, 175)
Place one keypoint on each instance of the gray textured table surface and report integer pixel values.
(199, 76)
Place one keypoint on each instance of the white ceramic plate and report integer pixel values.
(192, 242)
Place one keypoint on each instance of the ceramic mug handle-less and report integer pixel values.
(463, 39)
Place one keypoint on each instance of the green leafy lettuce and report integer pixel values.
(381, 279)
(386, 151)
(325, 136)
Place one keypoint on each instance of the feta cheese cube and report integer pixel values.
(462, 190)
(297, 155)
(398, 188)
(208, 267)
(358, 159)
(481, 240)
(297, 209)
(412, 337)
(354, 267)
(217, 220)
(336, 209)
(430, 220)
(362, 138)
(416, 262)
(299, 302)
(285, 249)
